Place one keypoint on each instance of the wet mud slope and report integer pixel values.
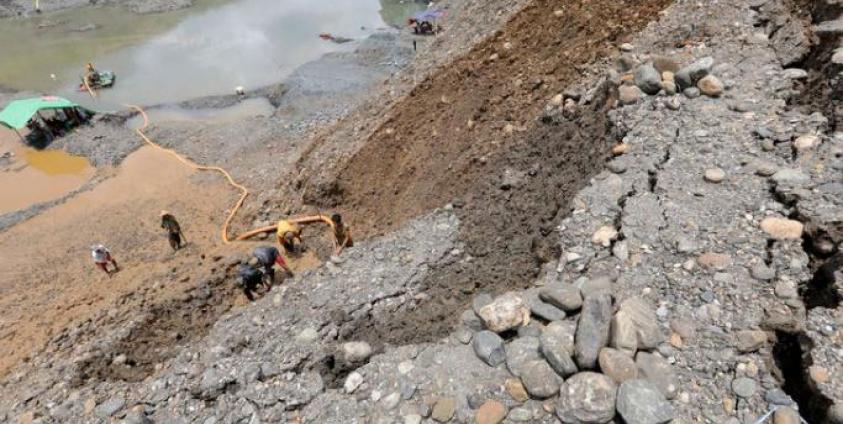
(468, 136)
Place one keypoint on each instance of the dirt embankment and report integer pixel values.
(468, 136)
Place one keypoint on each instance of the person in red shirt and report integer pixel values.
(268, 257)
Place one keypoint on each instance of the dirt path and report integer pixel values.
(48, 280)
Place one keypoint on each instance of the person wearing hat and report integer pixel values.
(102, 257)
(174, 234)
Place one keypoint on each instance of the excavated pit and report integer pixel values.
(791, 354)
(470, 136)
(158, 336)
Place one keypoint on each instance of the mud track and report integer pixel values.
(467, 136)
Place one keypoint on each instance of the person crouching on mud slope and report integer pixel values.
(102, 257)
(250, 279)
(267, 257)
(342, 234)
(174, 234)
(289, 236)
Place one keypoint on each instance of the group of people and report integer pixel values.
(259, 271)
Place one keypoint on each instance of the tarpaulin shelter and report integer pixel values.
(19, 112)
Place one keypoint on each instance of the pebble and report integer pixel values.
(592, 329)
(805, 142)
(489, 348)
(539, 379)
(744, 387)
(626, 47)
(789, 176)
(504, 313)
(604, 236)
(640, 402)
(617, 365)
(412, 419)
(110, 406)
(648, 79)
(765, 169)
(750, 340)
(761, 271)
(520, 415)
(710, 86)
(516, 389)
(444, 410)
(521, 351)
(718, 261)
(307, 335)
(714, 175)
(491, 412)
(782, 228)
(786, 289)
(546, 311)
(629, 94)
(795, 73)
(620, 149)
(777, 397)
(356, 352)
(691, 74)
(391, 401)
(587, 397)
(691, 92)
(352, 382)
(556, 345)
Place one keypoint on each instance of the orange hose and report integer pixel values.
(194, 165)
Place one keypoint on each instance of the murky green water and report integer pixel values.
(208, 49)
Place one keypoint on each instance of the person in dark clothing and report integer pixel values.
(267, 257)
(250, 279)
(174, 234)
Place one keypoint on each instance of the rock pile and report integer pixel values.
(591, 358)
(661, 75)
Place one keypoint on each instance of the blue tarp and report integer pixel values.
(428, 15)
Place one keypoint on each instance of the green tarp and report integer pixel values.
(19, 112)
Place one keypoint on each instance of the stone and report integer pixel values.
(489, 348)
(556, 345)
(777, 397)
(587, 397)
(592, 329)
(356, 352)
(659, 372)
(805, 142)
(761, 271)
(750, 340)
(744, 387)
(520, 415)
(795, 73)
(626, 47)
(644, 321)
(786, 415)
(521, 351)
(391, 401)
(412, 419)
(617, 365)
(620, 149)
(640, 402)
(110, 407)
(629, 94)
(691, 92)
(593, 286)
(539, 379)
(789, 176)
(710, 86)
(689, 75)
(546, 311)
(782, 228)
(136, 417)
(765, 169)
(604, 236)
(648, 79)
(714, 175)
(712, 260)
(818, 374)
(471, 320)
(443, 410)
(623, 335)
(562, 295)
(352, 382)
(491, 412)
(516, 389)
(504, 313)
(480, 301)
(786, 289)
(621, 251)
(307, 335)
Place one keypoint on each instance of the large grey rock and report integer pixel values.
(593, 329)
(744, 387)
(587, 398)
(521, 351)
(689, 75)
(212, 384)
(480, 301)
(557, 345)
(562, 295)
(648, 79)
(539, 379)
(617, 365)
(504, 313)
(790, 42)
(659, 372)
(489, 348)
(790, 176)
(640, 402)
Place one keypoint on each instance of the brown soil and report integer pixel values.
(427, 154)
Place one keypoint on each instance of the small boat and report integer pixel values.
(106, 79)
